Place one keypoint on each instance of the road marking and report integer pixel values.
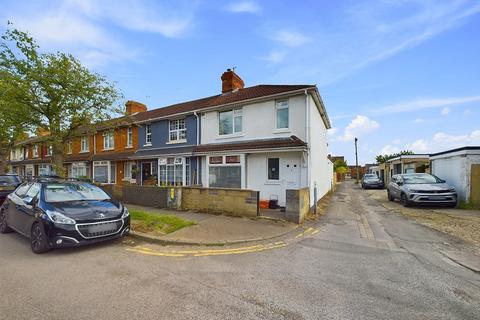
(212, 252)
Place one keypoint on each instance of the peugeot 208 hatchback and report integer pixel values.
(57, 213)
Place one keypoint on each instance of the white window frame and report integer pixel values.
(49, 151)
(84, 144)
(127, 168)
(224, 164)
(177, 130)
(280, 107)
(176, 161)
(109, 171)
(148, 134)
(69, 147)
(129, 137)
(77, 166)
(236, 113)
(109, 137)
(35, 151)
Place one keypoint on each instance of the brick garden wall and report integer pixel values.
(231, 202)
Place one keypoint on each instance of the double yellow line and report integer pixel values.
(213, 252)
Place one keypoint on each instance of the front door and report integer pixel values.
(146, 170)
(292, 174)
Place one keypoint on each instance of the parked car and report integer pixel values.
(421, 188)
(372, 181)
(8, 183)
(56, 213)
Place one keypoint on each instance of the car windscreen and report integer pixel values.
(62, 192)
(9, 180)
(420, 179)
(370, 177)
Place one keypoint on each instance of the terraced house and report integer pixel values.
(268, 138)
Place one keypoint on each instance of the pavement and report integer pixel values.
(360, 260)
(216, 229)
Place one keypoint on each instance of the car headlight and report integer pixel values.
(452, 190)
(59, 218)
(125, 213)
(414, 190)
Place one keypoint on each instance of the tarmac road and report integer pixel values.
(359, 261)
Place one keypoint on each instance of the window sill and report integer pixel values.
(227, 136)
(129, 147)
(86, 151)
(176, 141)
(109, 149)
(286, 130)
(147, 145)
(273, 182)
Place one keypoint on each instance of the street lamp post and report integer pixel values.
(356, 159)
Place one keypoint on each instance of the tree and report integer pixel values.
(54, 91)
(385, 158)
(12, 123)
(340, 166)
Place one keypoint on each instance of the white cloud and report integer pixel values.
(372, 31)
(358, 127)
(275, 56)
(418, 146)
(452, 141)
(419, 104)
(389, 149)
(243, 7)
(79, 26)
(445, 111)
(291, 38)
(418, 120)
(332, 131)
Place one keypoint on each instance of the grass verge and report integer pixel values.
(157, 223)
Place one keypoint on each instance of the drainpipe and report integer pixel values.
(198, 142)
(307, 133)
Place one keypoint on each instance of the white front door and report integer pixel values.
(291, 168)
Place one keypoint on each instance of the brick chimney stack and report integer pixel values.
(231, 81)
(132, 107)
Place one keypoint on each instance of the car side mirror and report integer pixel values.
(442, 181)
(29, 201)
(400, 183)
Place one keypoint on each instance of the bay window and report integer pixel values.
(108, 140)
(104, 172)
(230, 122)
(174, 171)
(130, 171)
(177, 130)
(79, 170)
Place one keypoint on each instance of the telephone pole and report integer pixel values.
(356, 159)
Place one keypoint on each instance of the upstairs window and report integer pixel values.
(230, 122)
(108, 140)
(177, 130)
(129, 137)
(69, 147)
(148, 134)
(49, 150)
(84, 144)
(282, 114)
(35, 151)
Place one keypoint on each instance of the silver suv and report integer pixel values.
(421, 188)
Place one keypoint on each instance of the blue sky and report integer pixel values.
(396, 74)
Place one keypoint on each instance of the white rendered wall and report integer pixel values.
(259, 122)
(454, 171)
(321, 168)
(257, 174)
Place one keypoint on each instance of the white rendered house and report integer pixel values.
(270, 138)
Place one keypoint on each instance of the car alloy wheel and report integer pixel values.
(3, 222)
(38, 239)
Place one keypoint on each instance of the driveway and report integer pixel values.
(358, 261)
